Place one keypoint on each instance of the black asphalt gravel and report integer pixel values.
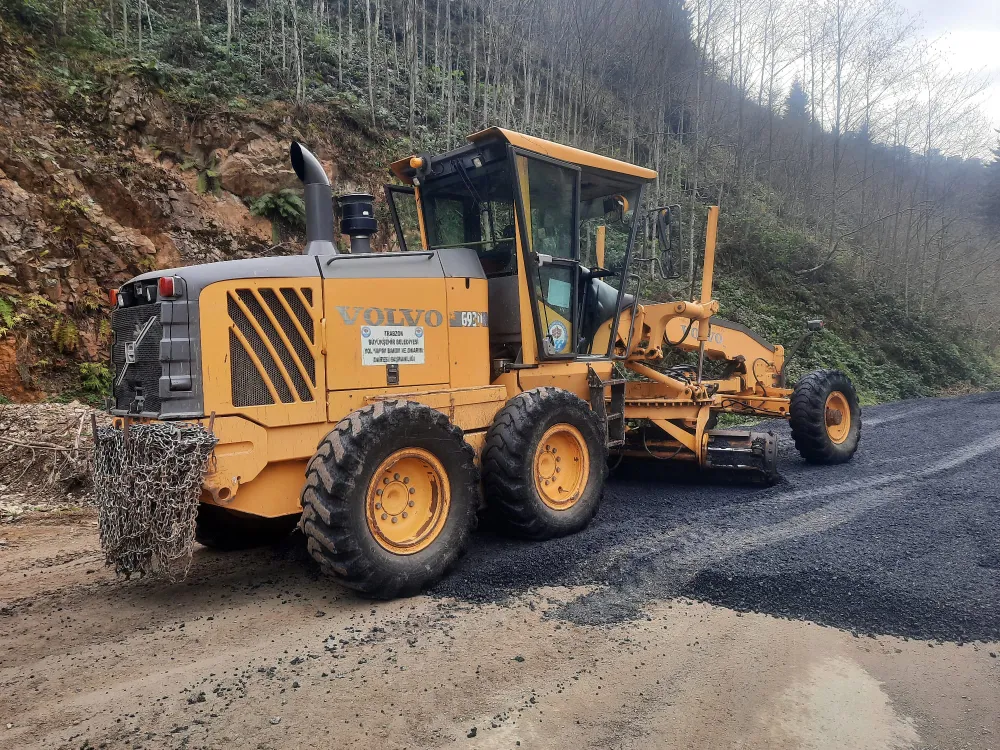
(903, 540)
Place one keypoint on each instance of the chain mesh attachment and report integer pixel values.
(147, 484)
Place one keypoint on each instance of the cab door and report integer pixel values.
(548, 203)
(405, 211)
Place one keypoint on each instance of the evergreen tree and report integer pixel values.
(797, 102)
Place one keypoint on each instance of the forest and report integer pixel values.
(856, 170)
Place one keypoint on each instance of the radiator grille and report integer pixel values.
(136, 384)
(249, 388)
(264, 328)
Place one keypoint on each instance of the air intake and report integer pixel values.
(357, 220)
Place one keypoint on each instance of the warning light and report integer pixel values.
(166, 286)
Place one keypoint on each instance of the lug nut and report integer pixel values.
(396, 477)
(378, 492)
(411, 503)
(378, 506)
(395, 520)
(413, 490)
(406, 480)
(404, 514)
(384, 516)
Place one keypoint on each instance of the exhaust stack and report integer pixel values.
(318, 200)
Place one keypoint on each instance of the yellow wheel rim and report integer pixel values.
(838, 417)
(561, 466)
(408, 501)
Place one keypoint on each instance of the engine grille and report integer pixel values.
(271, 346)
(137, 330)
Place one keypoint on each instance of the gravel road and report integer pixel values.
(846, 607)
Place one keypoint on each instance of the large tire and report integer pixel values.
(341, 513)
(228, 530)
(515, 459)
(821, 404)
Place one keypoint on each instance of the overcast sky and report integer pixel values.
(969, 33)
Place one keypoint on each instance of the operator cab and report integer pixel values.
(553, 229)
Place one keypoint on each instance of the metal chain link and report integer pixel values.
(147, 489)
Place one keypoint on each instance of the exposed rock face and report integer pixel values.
(98, 187)
(249, 158)
(261, 165)
(92, 196)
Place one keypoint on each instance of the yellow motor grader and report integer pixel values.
(380, 400)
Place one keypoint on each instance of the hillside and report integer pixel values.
(164, 142)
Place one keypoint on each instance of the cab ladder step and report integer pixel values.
(614, 422)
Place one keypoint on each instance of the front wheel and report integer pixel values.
(391, 497)
(825, 417)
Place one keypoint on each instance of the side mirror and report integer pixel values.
(664, 219)
(664, 223)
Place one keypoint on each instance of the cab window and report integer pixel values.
(473, 208)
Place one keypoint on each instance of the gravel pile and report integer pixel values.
(904, 540)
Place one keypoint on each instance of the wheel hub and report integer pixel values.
(561, 466)
(408, 500)
(838, 417)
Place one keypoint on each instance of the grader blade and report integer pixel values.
(748, 452)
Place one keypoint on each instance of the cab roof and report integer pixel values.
(584, 159)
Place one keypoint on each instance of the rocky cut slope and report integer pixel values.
(104, 179)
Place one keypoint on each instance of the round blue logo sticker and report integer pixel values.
(419, 332)
(559, 335)
(366, 331)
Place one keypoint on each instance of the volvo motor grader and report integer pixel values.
(382, 400)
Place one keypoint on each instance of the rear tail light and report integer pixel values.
(166, 286)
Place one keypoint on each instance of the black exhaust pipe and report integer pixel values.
(318, 200)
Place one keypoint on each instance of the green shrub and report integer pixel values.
(283, 207)
(9, 317)
(95, 379)
(65, 335)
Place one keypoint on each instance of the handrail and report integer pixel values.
(376, 256)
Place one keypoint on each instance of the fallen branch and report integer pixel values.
(39, 446)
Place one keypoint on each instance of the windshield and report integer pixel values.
(473, 208)
(613, 209)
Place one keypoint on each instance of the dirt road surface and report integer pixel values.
(847, 607)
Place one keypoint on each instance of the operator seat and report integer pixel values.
(599, 300)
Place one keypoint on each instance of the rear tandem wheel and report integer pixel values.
(391, 497)
(544, 463)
